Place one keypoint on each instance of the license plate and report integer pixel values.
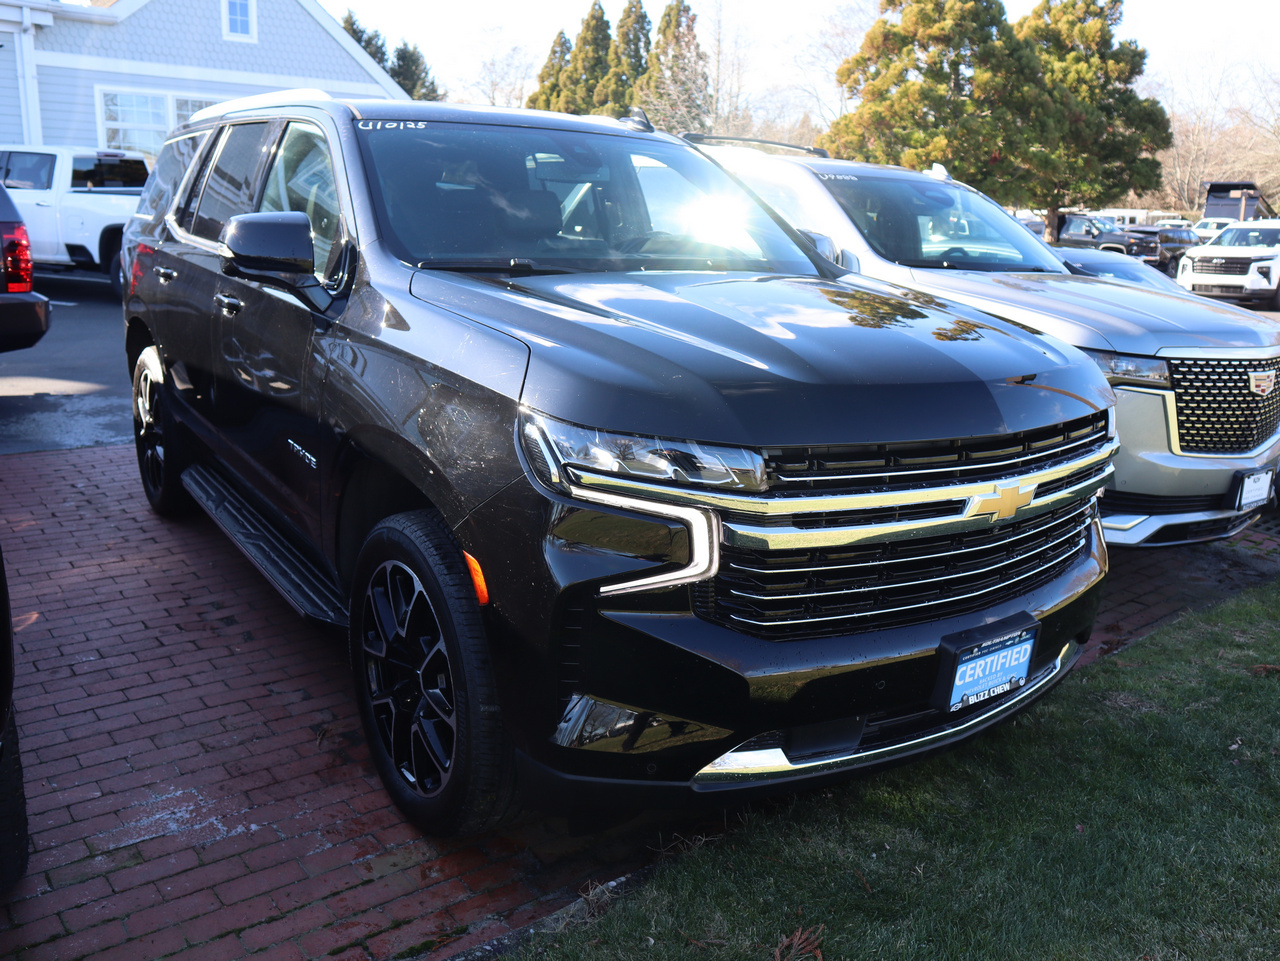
(992, 668)
(1255, 489)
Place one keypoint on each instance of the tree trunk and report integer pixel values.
(1051, 222)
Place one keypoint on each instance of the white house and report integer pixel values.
(122, 73)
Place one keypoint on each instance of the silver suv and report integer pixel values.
(1197, 409)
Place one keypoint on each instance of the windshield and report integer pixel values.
(919, 223)
(470, 196)
(1246, 236)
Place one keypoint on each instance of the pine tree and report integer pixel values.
(674, 90)
(371, 40)
(1098, 141)
(946, 82)
(549, 94)
(409, 69)
(588, 63)
(628, 57)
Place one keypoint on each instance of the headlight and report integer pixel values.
(552, 445)
(1126, 369)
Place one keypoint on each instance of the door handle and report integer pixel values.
(230, 306)
(43, 203)
(165, 274)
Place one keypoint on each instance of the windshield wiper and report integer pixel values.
(511, 265)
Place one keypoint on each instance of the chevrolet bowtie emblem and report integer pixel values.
(1262, 382)
(1003, 502)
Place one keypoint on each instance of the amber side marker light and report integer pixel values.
(477, 579)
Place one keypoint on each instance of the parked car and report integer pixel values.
(1161, 247)
(13, 798)
(24, 314)
(75, 201)
(619, 493)
(1172, 222)
(1242, 263)
(1110, 265)
(1199, 427)
(1210, 227)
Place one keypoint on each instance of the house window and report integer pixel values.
(140, 120)
(240, 20)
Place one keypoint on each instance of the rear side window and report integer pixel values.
(28, 171)
(97, 172)
(228, 190)
(172, 163)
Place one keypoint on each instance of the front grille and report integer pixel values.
(785, 594)
(1217, 411)
(1238, 266)
(1229, 289)
(965, 459)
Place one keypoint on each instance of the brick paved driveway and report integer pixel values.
(196, 779)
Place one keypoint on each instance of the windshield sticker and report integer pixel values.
(822, 176)
(392, 124)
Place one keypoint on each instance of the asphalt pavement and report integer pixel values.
(72, 388)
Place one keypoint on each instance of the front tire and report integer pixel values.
(160, 461)
(427, 698)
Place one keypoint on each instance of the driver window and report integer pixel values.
(301, 178)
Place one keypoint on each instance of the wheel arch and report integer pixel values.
(109, 242)
(137, 338)
(373, 483)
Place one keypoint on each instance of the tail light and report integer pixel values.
(16, 250)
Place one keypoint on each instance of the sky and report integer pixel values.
(1187, 44)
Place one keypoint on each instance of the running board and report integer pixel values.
(293, 575)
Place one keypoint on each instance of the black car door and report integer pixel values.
(269, 411)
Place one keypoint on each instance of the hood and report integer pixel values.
(1098, 315)
(769, 360)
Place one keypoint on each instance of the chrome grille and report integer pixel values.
(1217, 412)
(1229, 289)
(1222, 265)
(787, 595)
(964, 459)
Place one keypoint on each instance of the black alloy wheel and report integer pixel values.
(420, 659)
(159, 460)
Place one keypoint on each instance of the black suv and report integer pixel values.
(615, 487)
(1160, 247)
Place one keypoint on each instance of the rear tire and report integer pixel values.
(160, 460)
(424, 683)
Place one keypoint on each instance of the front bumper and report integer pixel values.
(1258, 283)
(636, 699)
(1161, 495)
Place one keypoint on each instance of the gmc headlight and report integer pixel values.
(1127, 369)
(553, 445)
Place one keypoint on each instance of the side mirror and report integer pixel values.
(274, 248)
(824, 245)
(849, 261)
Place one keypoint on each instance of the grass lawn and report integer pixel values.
(1134, 813)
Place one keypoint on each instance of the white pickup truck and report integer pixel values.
(75, 201)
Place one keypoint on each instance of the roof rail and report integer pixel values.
(704, 137)
(274, 98)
